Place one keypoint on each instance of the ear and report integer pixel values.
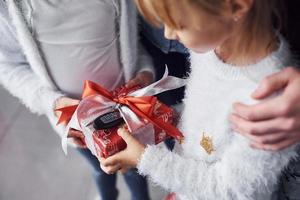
(240, 8)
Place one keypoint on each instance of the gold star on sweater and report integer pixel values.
(207, 144)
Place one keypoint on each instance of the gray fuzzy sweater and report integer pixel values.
(22, 69)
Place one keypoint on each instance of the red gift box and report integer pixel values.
(107, 142)
(149, 120)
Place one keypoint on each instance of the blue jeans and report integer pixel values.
(106, 184)
(289, 185)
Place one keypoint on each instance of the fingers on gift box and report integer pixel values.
(101, 123)
(101, 113)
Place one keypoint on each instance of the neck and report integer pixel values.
(260, 48)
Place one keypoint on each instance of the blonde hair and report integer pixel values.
(263, 18)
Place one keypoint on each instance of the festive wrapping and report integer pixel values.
(106, 140)
(146, 118)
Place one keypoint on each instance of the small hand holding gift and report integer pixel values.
(128, 158)
(101, 113)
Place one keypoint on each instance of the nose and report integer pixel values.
(170, 33)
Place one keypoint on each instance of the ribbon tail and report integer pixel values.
(166, 83)
(73, 124)
(170, 129)
(66, 114)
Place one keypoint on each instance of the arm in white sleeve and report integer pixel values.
(16, 75)
(241, 173)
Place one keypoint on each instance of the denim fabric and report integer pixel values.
(106, 184)
(289, 188)
(156, 36)
(289, 183)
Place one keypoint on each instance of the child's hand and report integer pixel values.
(77, 136)
(125, 159)
(143, 79)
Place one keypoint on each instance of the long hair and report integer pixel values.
(263, 18)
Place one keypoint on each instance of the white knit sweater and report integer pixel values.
(233, 171)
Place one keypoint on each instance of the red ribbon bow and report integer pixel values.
(141, 106)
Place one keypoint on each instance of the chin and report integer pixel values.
(202, 49)
(197, 50)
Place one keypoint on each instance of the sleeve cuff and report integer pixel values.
(48, 97)
(150, 159)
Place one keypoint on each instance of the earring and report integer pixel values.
(236, 18)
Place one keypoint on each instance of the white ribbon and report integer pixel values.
(133, 121)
